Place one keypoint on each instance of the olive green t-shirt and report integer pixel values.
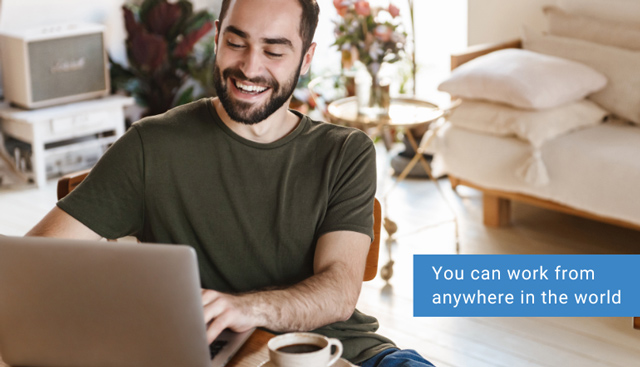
(253, 212)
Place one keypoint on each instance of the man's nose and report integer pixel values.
(251, 65)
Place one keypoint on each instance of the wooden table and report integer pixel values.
(252, 354)
(254, 351)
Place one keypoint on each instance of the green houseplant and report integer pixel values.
(164, 54)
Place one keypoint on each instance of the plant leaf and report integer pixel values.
(185, 97)
(161, 18)
(197, 21)
(184, 48)
(146, 7)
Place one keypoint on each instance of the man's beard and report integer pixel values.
(246, 112)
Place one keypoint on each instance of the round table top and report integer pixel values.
(403, 112)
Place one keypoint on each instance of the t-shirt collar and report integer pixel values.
(280, 142)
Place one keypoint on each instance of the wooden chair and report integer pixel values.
(69, 182)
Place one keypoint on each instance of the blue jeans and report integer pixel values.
(397, 358)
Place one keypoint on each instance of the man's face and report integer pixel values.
(259, 58)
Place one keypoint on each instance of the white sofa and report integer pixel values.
(593, 172)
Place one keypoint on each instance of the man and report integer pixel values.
(278, 207)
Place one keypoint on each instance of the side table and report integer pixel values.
(405, 114)
(61, 133)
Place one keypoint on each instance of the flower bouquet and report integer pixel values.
(373, 36)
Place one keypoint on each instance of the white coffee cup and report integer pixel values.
(303, 349)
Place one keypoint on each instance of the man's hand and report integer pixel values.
(328, 296)
(222, 311)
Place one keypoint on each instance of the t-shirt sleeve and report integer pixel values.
(350, 206)
(110, 200)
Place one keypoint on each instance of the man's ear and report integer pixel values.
(308, 57)
(215, 38)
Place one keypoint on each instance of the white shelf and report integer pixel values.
(83, 121)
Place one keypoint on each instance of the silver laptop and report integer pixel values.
(87, 303)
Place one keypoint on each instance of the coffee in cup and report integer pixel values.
(303, 349)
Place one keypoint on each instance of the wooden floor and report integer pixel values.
(460, 342)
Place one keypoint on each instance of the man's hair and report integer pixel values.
(308, 22)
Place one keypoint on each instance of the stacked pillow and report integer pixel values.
(612, 48)
(529, 95)
(536, 99)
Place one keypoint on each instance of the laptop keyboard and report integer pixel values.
(216, 346)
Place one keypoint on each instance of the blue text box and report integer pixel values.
(546, 285)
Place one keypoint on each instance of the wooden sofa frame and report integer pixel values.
(496, 204)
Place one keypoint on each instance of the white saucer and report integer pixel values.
(339, 363)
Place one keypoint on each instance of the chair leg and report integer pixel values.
(636, 323)
(496, 210)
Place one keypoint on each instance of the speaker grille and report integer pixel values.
(66, 66)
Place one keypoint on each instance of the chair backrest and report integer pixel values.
(69, 182)
(371, 269)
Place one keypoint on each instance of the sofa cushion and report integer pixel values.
(536, 127)
(523, 79)
(621, 67)
(623, 35)
(594, 169)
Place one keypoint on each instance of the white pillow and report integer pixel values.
(618, 34)
(627, 11)
(621, 67)
(536, 127)
(523, 79)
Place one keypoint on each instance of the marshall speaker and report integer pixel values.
(54, 64)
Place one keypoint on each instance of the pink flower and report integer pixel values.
(393, 10)
(383, 33)
(341, 7)
(363, 8)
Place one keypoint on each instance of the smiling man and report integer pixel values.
(278, 207)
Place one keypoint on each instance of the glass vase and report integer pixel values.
(373, 98)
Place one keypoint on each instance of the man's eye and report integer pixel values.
(272, 54)
(233, 45)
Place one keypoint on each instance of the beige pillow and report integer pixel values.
(624, 35)
(523, 79)
(536, 127)
(621, 67)
(627, 11)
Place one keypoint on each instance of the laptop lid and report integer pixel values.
(87, 303)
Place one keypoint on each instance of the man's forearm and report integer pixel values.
(328, 296)
(317, 301)
(322, 299)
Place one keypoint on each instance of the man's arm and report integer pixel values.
(57, 223)
(328, 296)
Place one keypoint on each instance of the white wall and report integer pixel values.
(500, 20)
